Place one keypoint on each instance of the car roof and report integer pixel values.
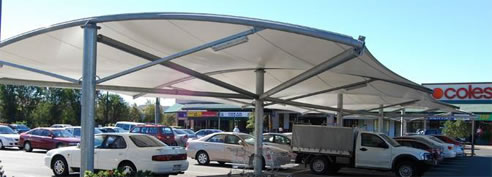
(413, 140)
(152, 125)
(49, 128)
(127, 122)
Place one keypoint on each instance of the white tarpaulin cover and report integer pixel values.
(284, 50)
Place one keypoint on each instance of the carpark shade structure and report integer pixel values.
(227, 59)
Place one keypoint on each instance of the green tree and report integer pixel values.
(169, 119)
(111, 108)
(251, 121)
(149, 112)
(456, 129)
(134, 114)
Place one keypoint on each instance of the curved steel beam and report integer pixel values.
(187, 78)
(312, 32)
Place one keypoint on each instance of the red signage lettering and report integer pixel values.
(466, 92)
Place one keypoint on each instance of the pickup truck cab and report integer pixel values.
(349, 147)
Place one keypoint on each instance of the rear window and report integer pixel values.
(123, 126)
(61, 133)
(166, 130)
(146, 141)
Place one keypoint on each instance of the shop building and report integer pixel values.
(475, 98)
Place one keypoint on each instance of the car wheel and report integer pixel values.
(27, 146)
(59, 166)
(128, 168)
(202, 158)
(406, 169)
(319, 165)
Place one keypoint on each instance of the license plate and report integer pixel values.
(176, 167)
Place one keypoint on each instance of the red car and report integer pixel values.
(161, 132)
(449, 140)
(46, 138)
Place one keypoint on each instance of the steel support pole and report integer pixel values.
(260, 77)
(473, 138)
(157, 119)
(403, 122)
(88, 100)
(340, 110)
(381, 119)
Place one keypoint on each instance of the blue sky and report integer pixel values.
(423, 40)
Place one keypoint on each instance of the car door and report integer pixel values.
(214, 147)
(234, 151)
(110, 153)
(373, 152)
(35, 138)
(46, 140)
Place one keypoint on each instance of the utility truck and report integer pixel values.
(326, 149)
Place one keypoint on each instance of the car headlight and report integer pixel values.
(424, 156)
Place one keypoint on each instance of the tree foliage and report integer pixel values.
(456, 129)
(43, 106)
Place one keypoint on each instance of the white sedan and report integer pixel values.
(129, 152)
(234, 148)
(8, 138)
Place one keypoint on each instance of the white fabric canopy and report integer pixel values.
(284, 50)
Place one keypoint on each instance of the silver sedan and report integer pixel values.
(228, 147)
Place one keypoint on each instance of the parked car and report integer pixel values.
(60, 125)
(458, 146)
(161, 132)
(233, 147)
(76, 132)
(446, 148)
(204, 132)
(434, 150)
(191, 134)
(181, 137)
(111, 130)
(19, 128)
(8, 138)
(349, 147)
(129, 152)
(432, 132)
(127, 126)
(278, 140)
(46, 138)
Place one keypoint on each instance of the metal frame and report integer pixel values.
(181, 92)
(148, 56)
(179, 54)
(89, 70)
(396, 104)
(260, 85)
(88, 98)
(187, 78)
(357, 84)
(318, 69)
(39, 71)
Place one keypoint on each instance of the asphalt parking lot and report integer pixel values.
(18, 163)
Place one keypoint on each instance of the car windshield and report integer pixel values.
(189, 132)
(6, 130)
(146, 141)
(390, 140)
(123, 126)
(179, 132)
(248, 139)
(98, 140)
(436, 139)
(62, 133)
